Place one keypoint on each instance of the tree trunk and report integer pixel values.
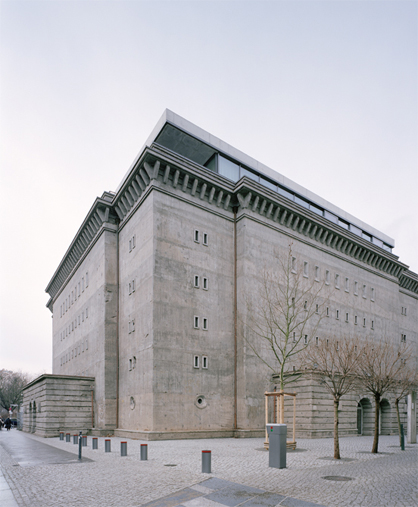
(336, 439)
(399, 421)
(281, 398)
(376, 424)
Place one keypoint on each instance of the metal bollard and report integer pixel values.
(402, 439)
(206, 462)
(80, 443)
(75, 439)
(107, 446)
(277, 445)
(144, 451)
(124, 448)
(67, 437)
(61, 435)
(95, 442)
(84, 440)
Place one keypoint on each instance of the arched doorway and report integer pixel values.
(385, 418)
(364, 417)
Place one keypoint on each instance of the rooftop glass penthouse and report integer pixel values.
(186, 139)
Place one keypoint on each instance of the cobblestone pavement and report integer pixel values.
(388, 479)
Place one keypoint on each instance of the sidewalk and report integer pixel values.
(240, 474)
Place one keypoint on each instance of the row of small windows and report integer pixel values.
(201, 237)
(337, 280)
(72, 326)
(74, 294)
(347, 317)
(205, 282)
(76, 351)
(204, 362)
(234, 172)
(197, 322)
(132, 243)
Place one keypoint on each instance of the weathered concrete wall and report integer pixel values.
(54, 403)
(85, 326)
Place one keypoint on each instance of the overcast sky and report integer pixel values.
(324, 92)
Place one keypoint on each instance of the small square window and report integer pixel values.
(196, 362)
(196, 322)
(196, 236)
(205, 363)
(205, 284)
(205, 324)
(205, 239)
(305, 269)
(196, 281)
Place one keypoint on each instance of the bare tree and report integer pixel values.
(333, 363)
(287, 310)
(11, 385)
(380, 367)
(407, 381)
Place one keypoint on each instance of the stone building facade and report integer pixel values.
(151, 296)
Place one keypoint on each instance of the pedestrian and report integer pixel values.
(7, 424)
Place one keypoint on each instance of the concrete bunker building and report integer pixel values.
(148, 302)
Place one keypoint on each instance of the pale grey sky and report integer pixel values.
(324, 92)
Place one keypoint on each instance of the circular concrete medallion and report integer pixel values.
(337, 478)
(200, 401)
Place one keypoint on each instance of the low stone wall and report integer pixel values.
(54, 403)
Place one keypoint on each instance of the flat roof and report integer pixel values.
(223, 148)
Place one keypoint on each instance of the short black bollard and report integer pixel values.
(80, 443)
(144, 452)
(75, 439)
(402, 439)
(206, 462)
(124, 448)
(107, 446)
(95, 442)
(68, 437)
(84, 440)
(61, 435)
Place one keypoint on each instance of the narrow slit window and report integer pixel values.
(347, 285)
(205, 284)
(346, 317)
(305, 340)
(87, 280)
(294, 265)
(355, 320)
(372, 294)
(305, 269)
(196, 281)
(317, 273)
(317, 341)
(196, 322)
(327, 277)
(338, 314)
(305, 305)
(294, 337)
(196, 362)
(317, 309)
(337, 281)
(327, 313)
(205, 239)
(205, 362)
(364, 291)
(196, 236)
(356, 288)
(130, 364)
(364, 322)
(372, 324)
(205, 324)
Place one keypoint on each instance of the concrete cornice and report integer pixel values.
(46, 376)
(159, 168)
(100, 214)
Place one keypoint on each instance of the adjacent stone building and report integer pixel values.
(151, 296)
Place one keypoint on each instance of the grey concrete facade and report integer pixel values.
(151, 297)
